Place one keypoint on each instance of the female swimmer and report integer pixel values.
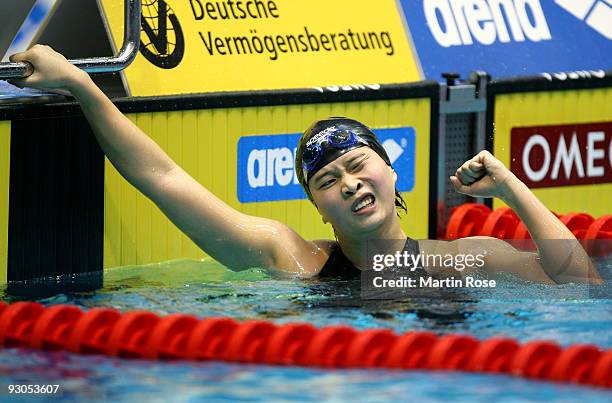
(346, 174)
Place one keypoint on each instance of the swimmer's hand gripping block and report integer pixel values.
(145, 335)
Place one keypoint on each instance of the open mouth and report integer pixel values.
(365, 202)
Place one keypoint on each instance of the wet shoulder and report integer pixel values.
(327, 248)
(326, 245)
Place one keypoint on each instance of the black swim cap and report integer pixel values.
(360, 135)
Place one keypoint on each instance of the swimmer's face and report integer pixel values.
(340, 189)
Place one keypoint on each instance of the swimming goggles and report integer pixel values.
(319, 144)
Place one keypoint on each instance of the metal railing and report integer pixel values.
(129, 50)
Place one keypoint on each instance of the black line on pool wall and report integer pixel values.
(541, 83)
(228, 100)
(434, 132)
(296, 96)
(56, 207)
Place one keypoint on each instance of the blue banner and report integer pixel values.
(510, 37)
(266, 164)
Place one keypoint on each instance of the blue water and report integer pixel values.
(566, 314)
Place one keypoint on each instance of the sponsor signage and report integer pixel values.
(216, 45)
(553, 156)
(266, 164)
(510, 37)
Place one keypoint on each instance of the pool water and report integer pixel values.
(566, 314)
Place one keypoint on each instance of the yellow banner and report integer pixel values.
(192, 46)
(576, 109)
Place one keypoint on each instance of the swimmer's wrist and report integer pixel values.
(509, 188)
(78, 82)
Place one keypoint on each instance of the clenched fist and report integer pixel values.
(482, 176)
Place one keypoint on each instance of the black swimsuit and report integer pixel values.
(338, 265)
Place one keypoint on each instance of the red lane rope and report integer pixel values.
(471, 219)
(145, 335)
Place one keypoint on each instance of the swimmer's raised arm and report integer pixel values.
(234, 239)
(135, 155)
(563, 261)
